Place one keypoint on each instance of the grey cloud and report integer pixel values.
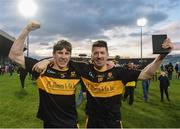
(50, 48)
(137, 34)
(168, 4)
(111, 48)
(156, 17)
(44, 44)
(86, 19)
(36, 56)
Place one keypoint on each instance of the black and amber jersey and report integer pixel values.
(104, 90)
(131, 84)
(56, 94)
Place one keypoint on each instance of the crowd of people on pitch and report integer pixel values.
(170, 69)
(8, 68)
(164, 75)
(161, 75)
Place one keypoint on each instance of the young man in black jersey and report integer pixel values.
(56, 86)
(104, 87)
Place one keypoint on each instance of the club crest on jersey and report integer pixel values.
(73, 74)
(62, 75)
(110, 76)
(100, 78)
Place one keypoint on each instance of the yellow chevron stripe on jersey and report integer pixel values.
(57, 86)
(133, 83)
(104, 89)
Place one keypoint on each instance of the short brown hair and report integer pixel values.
(100, 43)
(61, 44)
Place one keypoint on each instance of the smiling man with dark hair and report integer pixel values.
(56, 86)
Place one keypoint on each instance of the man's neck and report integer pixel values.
(60, 68)
(101, 69)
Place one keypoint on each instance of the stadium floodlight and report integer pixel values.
(27, 8)
(141, 22)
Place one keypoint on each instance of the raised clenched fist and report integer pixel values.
(33, 25)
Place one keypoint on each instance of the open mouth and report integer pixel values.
(62, 61)
(99, 60)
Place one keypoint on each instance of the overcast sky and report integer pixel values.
(83, 21)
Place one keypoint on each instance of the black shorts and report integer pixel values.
(103, 123)
(51, 125)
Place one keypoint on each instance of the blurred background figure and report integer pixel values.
(162, 67)
(129, 91)
(164, 84)
(22, 75)
(155, 76)
(129, 88)
(145, 86)
(177, 69)
(10, 69)
(170, 69)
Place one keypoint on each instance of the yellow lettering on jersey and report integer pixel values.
(57, 86)
(133, 83)
(104, 89)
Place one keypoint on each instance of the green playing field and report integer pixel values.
(18, 106)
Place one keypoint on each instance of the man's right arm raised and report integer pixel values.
(16, 52)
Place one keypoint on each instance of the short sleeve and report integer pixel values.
(127, 75)
(29, 63)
